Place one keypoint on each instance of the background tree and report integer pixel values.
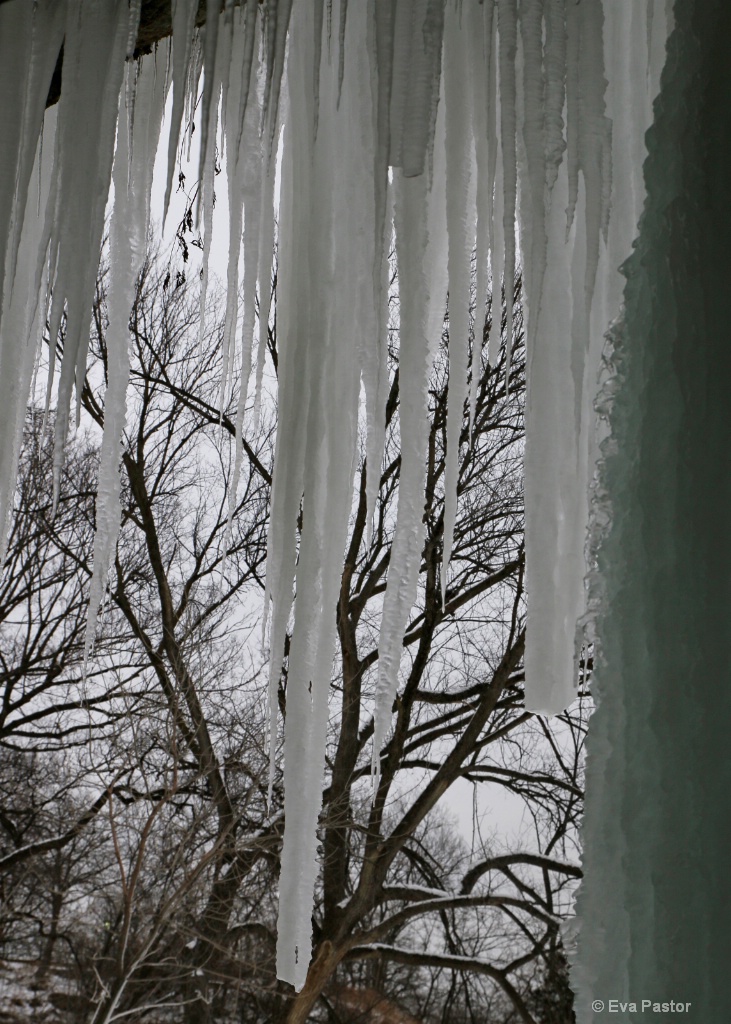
(140, 859)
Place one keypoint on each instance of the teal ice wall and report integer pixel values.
(655, 906)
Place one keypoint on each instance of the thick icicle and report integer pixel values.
(533, 183)
(561, 443)
(30, 39)
(243, 155)
(209, 103)
(335, 277)
(374, 369)
(293, 398)
(508, 44)
(573, 46)
(94, 51)
(393, 40)
(555, 66)
(266, 251)
(554, 460)
(341, 45)
(278, 13)
(317, 22)
(555, 566)
(420, 222)
(132, 179)
(375, 362)
(248, 168)
(184, 12)
(483, 129)
(216, 67)
(21, 330)
(498, 251)
(195, 69)
(461, 236)
(417, 51)
(251, 41)
(594, 137)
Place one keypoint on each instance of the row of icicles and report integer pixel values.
(462, 127)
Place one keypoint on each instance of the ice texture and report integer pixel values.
(514, 131)
(569, 310)
(421, 240)
(21, 326)
(461, 220)
(330, 237)
(245, 163)
(658, 768)
(184, 12)
(134, 160)
(94, 51)
(480, 29)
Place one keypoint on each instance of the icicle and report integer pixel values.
(277, 23)
(16, 25)
(266, 250)
(508, 36)
(94, 49)
(332, 281)
(317, 21)
(135, 9)
(375, 353)
(483, 130)
(21, 331)
(216, 70)
(226, 65)
(420, 243)
(594, 137)
(661, 26)
(131, 92)
(394, 41)
(555, 564)
(184, 12)
(416, 86)
(374, 369)
(461, 241)
(533, 183)
(573, 45)
(561, 443)
(555, 65)
(236, 98)
(649, 18)
(498, 253)
(248, 178)
(31, 36)
(292, 311)
(209, 102)
(195, 68)
(127, 246)
(341, 46)
(251, 43)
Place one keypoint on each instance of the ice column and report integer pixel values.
(659, 765)
(132, 177)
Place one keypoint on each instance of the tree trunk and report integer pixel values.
(321, 970)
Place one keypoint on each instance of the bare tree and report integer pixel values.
(158, 824)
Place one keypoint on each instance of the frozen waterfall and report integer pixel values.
(511, 131)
